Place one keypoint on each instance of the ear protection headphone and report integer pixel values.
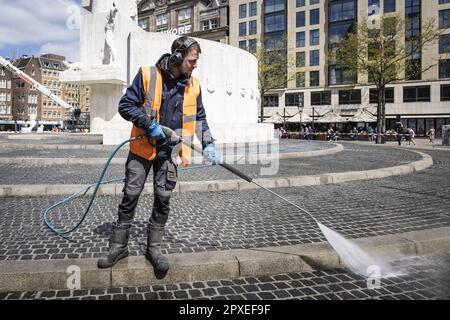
(178, 55)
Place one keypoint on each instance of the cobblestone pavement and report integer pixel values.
(283, 147)
(232, 220)
(421, 278)
(352, 158)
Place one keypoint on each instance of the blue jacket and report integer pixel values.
(171, 113)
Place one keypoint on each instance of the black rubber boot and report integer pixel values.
(153, 253)
(118, 248)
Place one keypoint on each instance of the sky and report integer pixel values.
(35, 27)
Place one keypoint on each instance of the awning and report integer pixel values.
(274, 119)
(331, 117)
(299, 118)
(362, 116)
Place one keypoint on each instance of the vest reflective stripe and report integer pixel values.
(150, 89)
(190, 118)
(189, 113)
(153, 84)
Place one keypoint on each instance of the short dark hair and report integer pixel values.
(181, 40)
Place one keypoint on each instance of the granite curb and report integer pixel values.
(227, 185)
(190, 267)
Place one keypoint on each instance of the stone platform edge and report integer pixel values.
(99, 161)
(227, 185)
(19, 276)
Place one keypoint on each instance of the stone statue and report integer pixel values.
(124, 6)
(76, 66)
(109, 51)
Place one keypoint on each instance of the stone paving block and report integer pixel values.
(27, 276)
(256, 263)
(137, 271)
(304, 181)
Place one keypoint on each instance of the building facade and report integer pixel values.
(6, 95)
(28, 102)
(310, 28)
(207, 19)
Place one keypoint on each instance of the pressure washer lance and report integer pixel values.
(170, 133)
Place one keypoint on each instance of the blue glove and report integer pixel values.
(155, 131)
(212, 154)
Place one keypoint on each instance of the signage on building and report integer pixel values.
(179, 30)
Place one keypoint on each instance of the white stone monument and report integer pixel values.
(113, 48)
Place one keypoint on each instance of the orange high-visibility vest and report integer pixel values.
(153, 84)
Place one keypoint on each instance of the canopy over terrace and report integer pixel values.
(332, 117)
(362, 115)
(276, 118)
(299, 117)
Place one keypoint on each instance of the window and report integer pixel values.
(300, 39)
(388, 95)
(444, 19)
(252, 27)
(293, 99)
(444, 44)
(314, 58)
(320, 98)
(444, 68)
(184, 14)
(275, 41)
(300, 19)
(273, 6)
(445, 92)
(300, 80)
(338, 31)
(412, 6)
(300, 3)
(416, 94)
(242, 11)
(300, 59)
(413, 69)
(314, 37)
(162, 19)
(314, 17)
(342, 11)
(243, 44)
(271, 101)
(273, 23)
(338, 75)
(2, 72)
(210, 24)
(314, 2)
(242, 29)
(389, 6)
(350, 96)
(252, 45)
(314, 79)
(373, 7)
(143, 23)
(253, 9)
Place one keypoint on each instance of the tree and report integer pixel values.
(387, 49)
(275, 68)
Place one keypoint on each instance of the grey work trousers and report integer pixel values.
(165, 175)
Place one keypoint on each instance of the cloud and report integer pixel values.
(70, 50)
(46, 23)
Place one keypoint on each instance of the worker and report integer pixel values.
(169, 96)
